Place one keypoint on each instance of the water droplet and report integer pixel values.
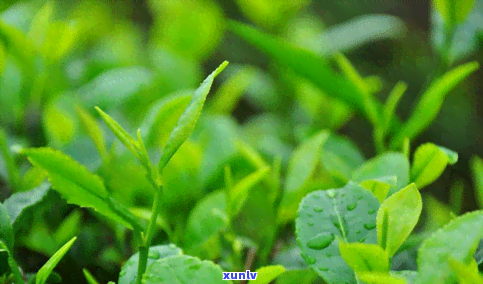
(359, 198)
(342, 195)
(318, 209)
(323, 269)
(153, 255)
(195, 266)
(358, 231)
(351, 206)
(321, 241)
(328, 255)
(189, 261)
(310, 224)
(372, 211)
(308, 259)
(331, 193)
(362, 240)
(310, 215)
(369, 226)
(123, 272)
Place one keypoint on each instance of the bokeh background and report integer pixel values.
(125, 55)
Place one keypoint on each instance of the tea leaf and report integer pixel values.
(364, 257)
(183, 269)
(431, 101)
(90, 279)
(93, 130)
(6, 229)
(454, 11)
(380, 187)
(163, 116)
(429, 163)
(40, 24)
(458, 240)
(239, 192)
(348, 213)
(187, 121)
(397, 217)
(78, 185)
(381, 278)
(267, 274)
(120, 133)
(301, 167)
(13, 175)
(48, 267)
(388, 164)
(34, 177)
(21, 201)
(205, 221)
(129, 270)
(476, 165)
(17, 275)
(465, 274)
(391, 103)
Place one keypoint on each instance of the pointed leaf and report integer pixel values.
(302, 165)
(6, 230)
(431, 101)
(458, 240)
(349, 213)
(380, 186)
(77, 184)
(239, 192)
(364, 257)
(92, 129)
(457, 9)
(48, 267)
(429, 163)
(267, 274)
(476, 165)
(183, 269)
(465, 274)
(187, 121)
(13, 175)
(397, 217)
(90, 279)
(381, 278)
(391, 103)
(129, 270)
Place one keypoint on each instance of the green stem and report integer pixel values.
(142, 263)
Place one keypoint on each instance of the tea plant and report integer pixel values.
(193, 197)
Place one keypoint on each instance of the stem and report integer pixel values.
(142, 262)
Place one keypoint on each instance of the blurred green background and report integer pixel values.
(124, 56)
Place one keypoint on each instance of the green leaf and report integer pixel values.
(391, 103)
(93, 130)
(78, 185)
(349, 213)
(465, 274)
(163, 115)
(183, 269)
(187, 121)
(6, 229)
(454, 12)
(300, 276)
(306, 64)
(239, 192)
(456, 196)
(397, 217)
(22, 201)
(48, 267)
(388, 164)
(301, 167)
(431, 101)
(267, 274)
(429, 163)
(34, 177)
(228, 95)
(458, 240)
(40, 24)
(90, 279)
(380, 186)
(409, 275)
(69, 227)
(476, 165)
(17, 275)
(120, 133)
(204, 224)
(381, 278)
(129, 270)
(364, 257)
(13, 175)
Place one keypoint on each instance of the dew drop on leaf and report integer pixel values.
(189, 260)
(309, 215)
(359, 198)
(153, 255)
(195, 266)
(369, 226)
(323, 269)
(310, 224)
(372, 211)
(331, 193)
(321, 241)
(351, 206)
(318, 209)
(362, 240)
(328, 255)
(358, 231)
(310, 260)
